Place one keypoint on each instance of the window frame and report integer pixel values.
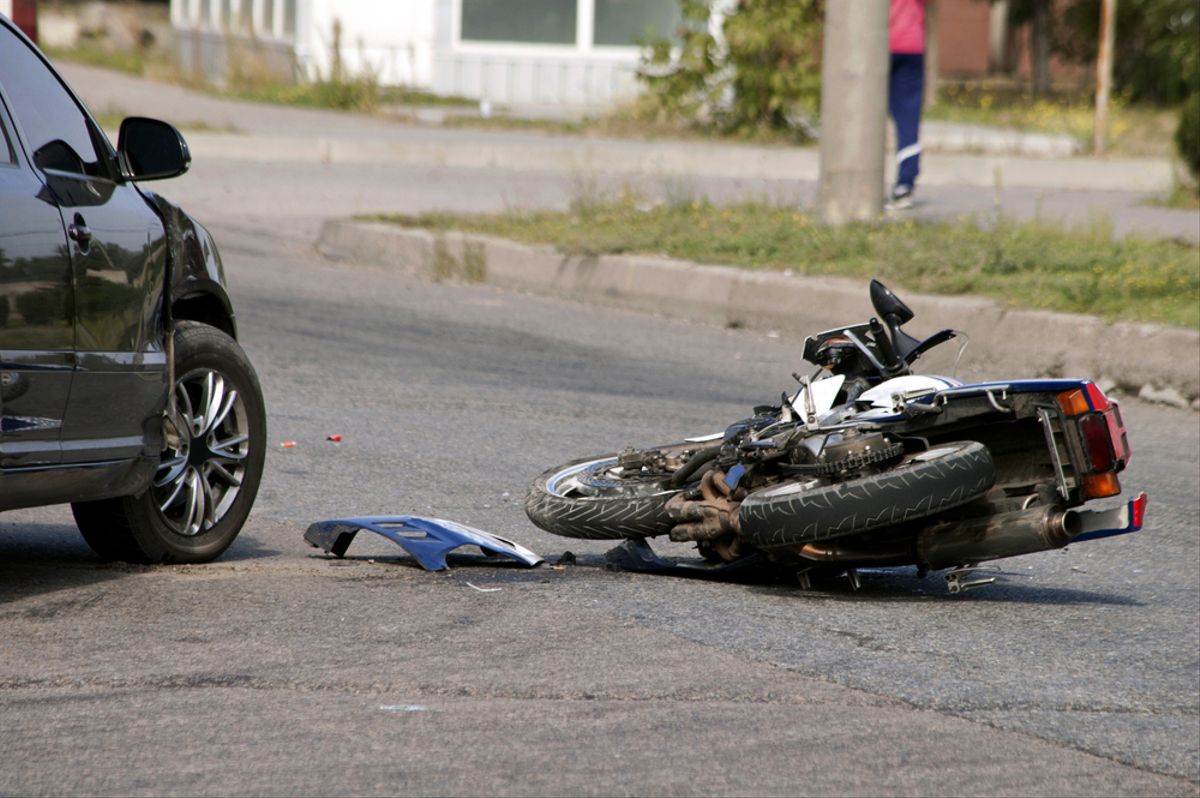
(6, 137)
(106, 155)
(584, 46)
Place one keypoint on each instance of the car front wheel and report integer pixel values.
(211, 463)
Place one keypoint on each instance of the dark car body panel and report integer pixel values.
(196, 273)
(92, 271)
(37, 336)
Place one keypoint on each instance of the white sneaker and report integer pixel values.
(901, 197)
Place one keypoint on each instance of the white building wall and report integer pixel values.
(6, 8)
(415, 43)
(392, 41)
(578, 74)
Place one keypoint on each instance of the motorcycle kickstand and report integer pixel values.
(957, 580)
(805, 579)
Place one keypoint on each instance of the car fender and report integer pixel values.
(196, 273)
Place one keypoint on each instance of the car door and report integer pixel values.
(117, 257)
(37, 333)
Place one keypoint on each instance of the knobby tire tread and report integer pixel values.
(907, 492)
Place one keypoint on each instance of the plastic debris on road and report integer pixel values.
(428, 540)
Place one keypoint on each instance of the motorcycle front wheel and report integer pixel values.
(593, 499)
(918, 486)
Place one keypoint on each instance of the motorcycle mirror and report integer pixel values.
(888, 305)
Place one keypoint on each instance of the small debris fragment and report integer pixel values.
(567, 558)
(334, 437)
(288, 445)
(1078, 570)
(403, 708)
(484, 589)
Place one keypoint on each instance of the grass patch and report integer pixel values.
(1134, 131)
(131, 62)
(351, 94)
(635, 119)
(1182, 197)
(1032, 265)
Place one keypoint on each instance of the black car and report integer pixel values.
(123, 390)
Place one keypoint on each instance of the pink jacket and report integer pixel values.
(906, 26)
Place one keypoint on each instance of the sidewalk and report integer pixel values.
(231, 129)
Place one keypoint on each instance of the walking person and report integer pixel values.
(906, 93)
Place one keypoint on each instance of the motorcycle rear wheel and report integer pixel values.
(920, 485)
(582, 499)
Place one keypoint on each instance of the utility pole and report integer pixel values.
(932, 73)
(998, 37)
(1104, 67)
(853, 111)
(1041, 48)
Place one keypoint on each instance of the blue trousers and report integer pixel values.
(906, 92)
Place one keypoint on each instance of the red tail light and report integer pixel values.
(1094, 427)
(1105, 442)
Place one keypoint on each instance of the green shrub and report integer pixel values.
(765, 77)
(1187, 135)
(1155, 54)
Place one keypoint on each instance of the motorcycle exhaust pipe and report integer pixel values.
(993, 537)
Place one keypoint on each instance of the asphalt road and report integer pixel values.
(277, 671)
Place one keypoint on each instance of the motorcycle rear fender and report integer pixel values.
(1120, 520)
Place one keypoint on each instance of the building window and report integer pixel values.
(268, 17)
(625, 23)
(526, 21)
(289, 18)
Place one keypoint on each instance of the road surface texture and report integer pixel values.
(277, 671)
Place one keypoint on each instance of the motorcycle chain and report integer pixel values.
(849, 464)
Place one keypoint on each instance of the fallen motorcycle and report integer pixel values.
(866, 464)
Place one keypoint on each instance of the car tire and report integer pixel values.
(206, 482)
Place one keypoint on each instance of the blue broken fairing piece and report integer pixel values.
(428, 540)
(636, 555)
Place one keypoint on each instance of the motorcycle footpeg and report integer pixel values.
(958, 579)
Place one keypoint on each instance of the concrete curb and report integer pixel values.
(1155, 361)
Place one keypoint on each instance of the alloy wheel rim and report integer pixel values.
(204, 464)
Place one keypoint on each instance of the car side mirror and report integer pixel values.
(150, 149)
